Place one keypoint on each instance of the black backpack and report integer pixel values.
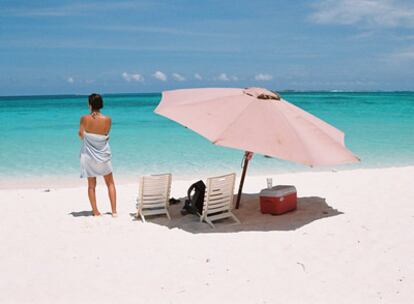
(195, 194)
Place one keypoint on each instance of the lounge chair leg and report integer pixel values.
(235, 218)
(210, 223)
(168, 214)
(142, 217)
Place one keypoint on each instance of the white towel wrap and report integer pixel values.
(95, 155)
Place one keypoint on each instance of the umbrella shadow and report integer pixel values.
(309, 209)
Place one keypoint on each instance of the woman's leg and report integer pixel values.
(92, 195)
(109, 180)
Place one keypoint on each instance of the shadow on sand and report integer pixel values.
(81, 213)
(85, 213)
(309, 209)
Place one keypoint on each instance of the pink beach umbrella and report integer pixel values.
(256, 120)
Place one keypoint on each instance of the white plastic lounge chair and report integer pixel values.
(153, 195)
(218, 199)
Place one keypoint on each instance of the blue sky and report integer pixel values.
(76, 47)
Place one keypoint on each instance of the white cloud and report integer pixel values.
(263, 77)
(370, 13)
(137, 77)
(225, 77)
(160, 76)
(70, 80)
(178, 77)
(198, 76)
(132, 77)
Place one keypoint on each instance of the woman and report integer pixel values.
(95, 155)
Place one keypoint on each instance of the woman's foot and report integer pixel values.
(96, 213)
(115, 214)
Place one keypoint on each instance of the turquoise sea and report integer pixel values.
(38, 135)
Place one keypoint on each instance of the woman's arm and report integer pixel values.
(81, 127)
(109, 124)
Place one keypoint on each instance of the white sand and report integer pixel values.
(350, 241)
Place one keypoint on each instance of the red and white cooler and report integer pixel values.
(278, 199)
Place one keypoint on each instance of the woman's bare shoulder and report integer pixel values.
(85, 117)
(107, 117)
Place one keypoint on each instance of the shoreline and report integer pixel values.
(69, 181)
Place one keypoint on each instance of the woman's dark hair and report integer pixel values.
(95, 101)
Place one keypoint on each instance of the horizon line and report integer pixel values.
(148, 93)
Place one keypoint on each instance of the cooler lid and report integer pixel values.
(278, 191)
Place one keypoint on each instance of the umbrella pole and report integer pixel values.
(247, 157)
